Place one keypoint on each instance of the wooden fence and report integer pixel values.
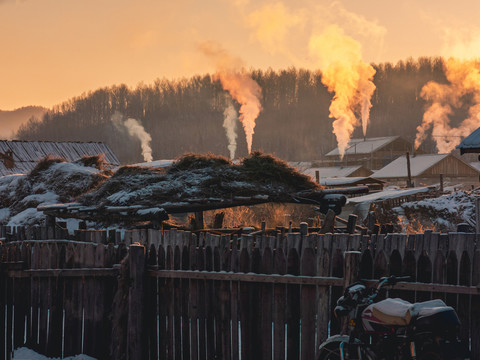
(207, 296)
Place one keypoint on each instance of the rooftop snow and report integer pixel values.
(155, 164)
(338, 181)
(388, 194)
(364, 146)
(418, 165)
(331, 172)
(472, 141)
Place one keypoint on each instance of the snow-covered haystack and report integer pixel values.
(195, 176)
(443, 213)
(53, 180)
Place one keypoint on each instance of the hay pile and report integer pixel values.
(193, 177)
(52, 181)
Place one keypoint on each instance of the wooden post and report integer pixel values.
(218, 222)
(409, 172)
(303, 228)
(317, 176)
(351, 271)
(135, 304)
(352, 221)
(199, 221)
(351, 267)
(477, 214)
(329, 223)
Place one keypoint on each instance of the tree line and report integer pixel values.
(186, 115)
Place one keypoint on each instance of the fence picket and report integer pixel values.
(202, 318)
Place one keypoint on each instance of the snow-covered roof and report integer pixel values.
(364, 146)
(333, 171)
(300, 165)
(339, 181)
(418, 165)
(471, 142)
(26, 154)
(388, 194)
(155, 164)
(476, 165)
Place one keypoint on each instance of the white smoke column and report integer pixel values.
(348, 77)
(442, 99)
(135, 129)
(230, 125)
(242, 88)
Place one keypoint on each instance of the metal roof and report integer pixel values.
(333, 171)
(471, 143)
(364, 146)
(418, 165)
(26, 154)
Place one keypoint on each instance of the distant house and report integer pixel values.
(372, 153)
(426, 170)
(20, 157)
(346, 176)
(338, 171)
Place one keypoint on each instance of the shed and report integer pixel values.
(471, 144)
(338, 171)
(426, 170)
(20, 157)
(372, 153)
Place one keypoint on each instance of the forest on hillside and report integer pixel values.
(186, 115)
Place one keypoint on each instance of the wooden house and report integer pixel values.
(429, 169)
(372, 153)
(20, 157)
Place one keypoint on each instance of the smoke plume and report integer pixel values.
(348, 77)
(230, 125)
(242, 88)
(462, 89)
(135, 129)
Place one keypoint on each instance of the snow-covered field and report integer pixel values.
(27, 354)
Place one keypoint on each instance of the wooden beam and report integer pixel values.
(247, 277)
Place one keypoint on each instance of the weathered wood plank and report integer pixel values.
(308, 305)
(279, 305)
(135, 302)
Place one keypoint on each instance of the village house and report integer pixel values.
(429, 169)
(20, 157)
(372, 153)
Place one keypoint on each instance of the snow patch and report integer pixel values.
(27, 354)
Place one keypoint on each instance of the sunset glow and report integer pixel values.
(53, 50)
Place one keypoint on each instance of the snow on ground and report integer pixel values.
(444, 212)
(27, 354)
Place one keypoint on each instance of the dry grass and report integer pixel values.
(44, 164)
(198, 161)
(266, 168)
(95, 161)
(273, 214)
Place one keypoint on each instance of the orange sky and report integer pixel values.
(53, 50)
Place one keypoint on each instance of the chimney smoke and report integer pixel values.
(442, 99)
(239, 84)
(348, 77)
(230, 125)
(134, 129)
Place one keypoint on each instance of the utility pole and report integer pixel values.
(409, 172)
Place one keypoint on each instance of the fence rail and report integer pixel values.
(187, 296)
